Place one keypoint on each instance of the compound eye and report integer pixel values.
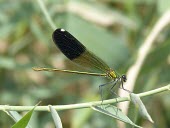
(124, 78)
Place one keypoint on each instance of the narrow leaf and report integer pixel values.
(22, 123)
(56, 118)
(141, 107)
(114, 112)
(16, 116)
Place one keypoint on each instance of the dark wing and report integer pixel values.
(77, 52)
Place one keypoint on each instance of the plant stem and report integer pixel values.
(47, 16)
(82, 105)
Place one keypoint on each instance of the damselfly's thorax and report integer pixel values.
(113, 75)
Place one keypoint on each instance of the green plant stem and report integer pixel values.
(47, 16)
(82, 105)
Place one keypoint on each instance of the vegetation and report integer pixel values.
(116, 31)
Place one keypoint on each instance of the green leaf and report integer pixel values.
(16, 116)
(141, 107)
(22, 123)
(115, 113)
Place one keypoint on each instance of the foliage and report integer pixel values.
(113, 30)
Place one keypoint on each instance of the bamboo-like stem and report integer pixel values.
(82, 105)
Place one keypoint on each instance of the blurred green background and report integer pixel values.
(114, 30)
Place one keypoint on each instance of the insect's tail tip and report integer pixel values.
(36, 68)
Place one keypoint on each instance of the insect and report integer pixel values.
(79, 54)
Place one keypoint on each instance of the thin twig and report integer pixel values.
(45, 12)
(82, 105)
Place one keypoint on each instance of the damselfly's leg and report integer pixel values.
(101, 90)
(111, 89)
(113, 92)
(123, 87)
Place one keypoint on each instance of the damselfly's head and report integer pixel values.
(123, 77)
